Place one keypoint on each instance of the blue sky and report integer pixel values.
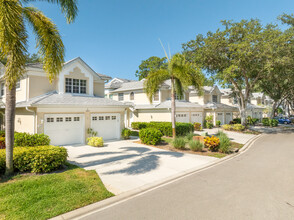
(114, 36)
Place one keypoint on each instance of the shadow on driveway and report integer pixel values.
(145, 161)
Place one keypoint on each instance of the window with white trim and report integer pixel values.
(113, 117)
(17, 86)
(101, 118)
(177, 97)
(132, 96)
(76, 118)
(50, 120)
(111, 96)
(75, 86)
(67, 119)
(156, 96)
(59, 119)
(120, 96)
(94, 118)
(107, 117)
(214, 98)
(2, 89)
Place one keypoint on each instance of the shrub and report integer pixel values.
(150, 136)
(40, 159)
(126, 133)
(237, 121)
(95, 141)
(189, 136)
(252, 121)
(139, 125)
(2, 142)
(212, 143)
(30, 140)
(218, 123)
(197, 126)
(179, 143)
(273, 122)
(265, 122)
(227, 127)
(209, 125)
(225, 143)
(238, 127)
(196, 145)
(2, 133)
(135, 133)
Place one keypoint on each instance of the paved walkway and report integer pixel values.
(125, 165)
(258, 184)
(234, 136)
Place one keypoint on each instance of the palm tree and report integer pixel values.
(13, 48)
(182, 75)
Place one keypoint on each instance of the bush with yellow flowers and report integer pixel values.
(212, 143)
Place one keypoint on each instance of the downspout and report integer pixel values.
(29, 110)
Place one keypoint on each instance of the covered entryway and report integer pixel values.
(229, 117)
(107, 125)
(196, 117)
(64, 129)
(182, 117)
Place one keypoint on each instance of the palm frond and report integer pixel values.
(48, 39)
(179, 88)
(153, 82)
(68, 7)
(13, 40)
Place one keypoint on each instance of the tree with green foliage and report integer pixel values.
(237, 56)
(14, 15)
(181, 73)
(151, 64)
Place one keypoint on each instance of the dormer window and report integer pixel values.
(214, 98)
(17, 86)
(132, 96)
(75, 86)
(156, 96)
(177, 97)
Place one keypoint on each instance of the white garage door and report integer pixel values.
(229, 117)
(197, 117)
(107, 125)
(220, 117)
(182, 117)
(64, 129)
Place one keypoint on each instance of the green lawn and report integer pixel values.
(49, 195)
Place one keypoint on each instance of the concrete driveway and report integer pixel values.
(125, 165)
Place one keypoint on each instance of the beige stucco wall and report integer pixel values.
(85, 111)
(24, 121)
(99, 89)
(39, 85)
(227, 100)
(152, 115)
(193, 97)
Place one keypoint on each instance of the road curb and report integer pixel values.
(98, 206)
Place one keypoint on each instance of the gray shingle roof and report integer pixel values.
(167, 104)
(213, 105)
(136, 85)
(54, 98)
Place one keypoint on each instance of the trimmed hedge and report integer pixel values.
(30, 140)
(150, 136)
(95, 141)
(126, 133)
(41, 159)
(165, 128)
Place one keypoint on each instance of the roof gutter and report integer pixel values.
(29, 110)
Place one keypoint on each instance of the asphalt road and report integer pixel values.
(258, 184)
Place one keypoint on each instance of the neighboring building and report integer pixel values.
(190, 108)
(68, 107)
(212, 101)
(115, 84)
(255, 107)
(160, 108)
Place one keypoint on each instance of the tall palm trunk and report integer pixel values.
(173, 108)
(9, 127)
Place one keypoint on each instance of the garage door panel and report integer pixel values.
(197, 117)
(64, 129)
(106, 125)
(182, 117)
